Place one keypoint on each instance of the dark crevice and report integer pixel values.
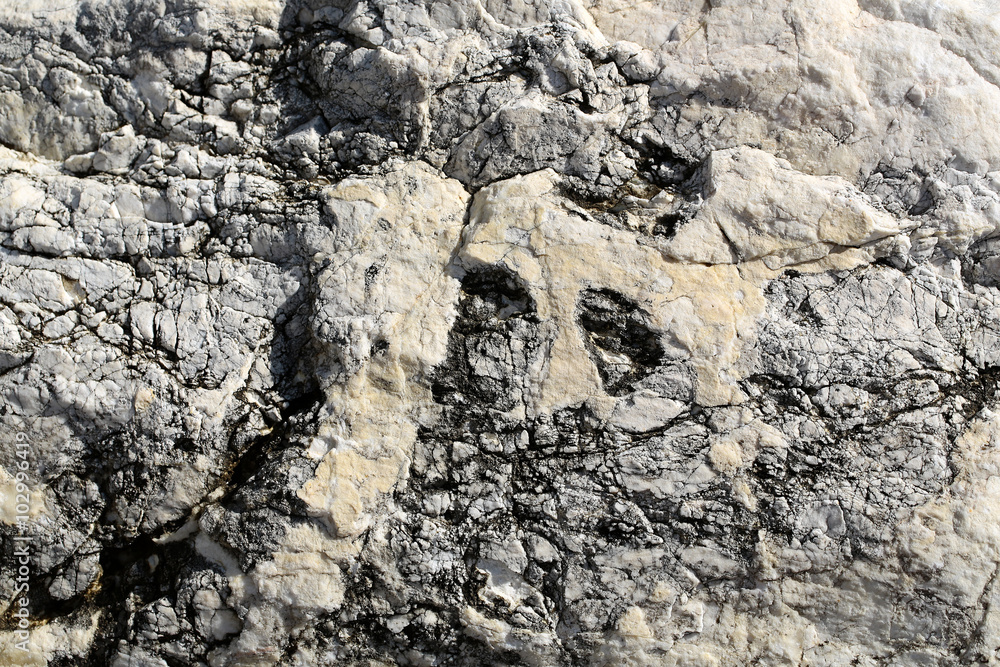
(621, 344)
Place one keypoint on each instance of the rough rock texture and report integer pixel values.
(488, 332)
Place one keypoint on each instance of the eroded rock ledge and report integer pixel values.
(590, 332)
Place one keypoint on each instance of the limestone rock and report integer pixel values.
(577, 332)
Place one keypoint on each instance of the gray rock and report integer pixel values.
(543, 333)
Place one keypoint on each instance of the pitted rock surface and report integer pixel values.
(547, 332)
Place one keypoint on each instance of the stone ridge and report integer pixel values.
(547, 332)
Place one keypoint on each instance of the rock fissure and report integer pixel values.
(602, 332)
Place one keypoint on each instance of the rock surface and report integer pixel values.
(547, 332)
